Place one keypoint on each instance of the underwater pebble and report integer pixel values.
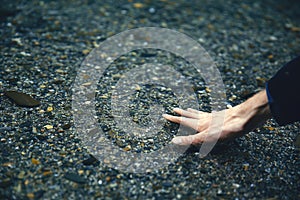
(91, 160)
(22, 99)
(75, 177)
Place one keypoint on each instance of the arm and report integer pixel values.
(281, 99)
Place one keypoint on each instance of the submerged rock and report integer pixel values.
(75, 177)
(22, 99)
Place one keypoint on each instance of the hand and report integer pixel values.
(227, 124)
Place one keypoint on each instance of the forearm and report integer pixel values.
(255, 111)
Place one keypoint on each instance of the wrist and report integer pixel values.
(255, 111)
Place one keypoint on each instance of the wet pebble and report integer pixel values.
(22, 99)
(75, 177)
(91, 160)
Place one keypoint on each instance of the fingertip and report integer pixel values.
(177, 140)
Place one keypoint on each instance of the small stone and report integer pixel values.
(23, 53)
(34, 130)
(21, 175)
(246, 166)
(30, 195)
(273, 38)
(35, 161)
(270, 56)
(228, 106)
(137, 88)
(270, 128)
(17, 41)
(57, 81)
(87, 84)
(292, 28)
(103, 97)
(232, 98)
(127, 148)
(7, 164)
(47, 173)
(135, 119)
(86, 51)
(261, 81)
(80, 172)
(138, 5)
(48, 127)
(63, 57)
(167, 184)
(22, 99)
(91, 160)
(74, 177)
(66, 126)
(49, 109)
(151, 10)
(208, 90)
(60, 71)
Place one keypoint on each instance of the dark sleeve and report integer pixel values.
(283, 92)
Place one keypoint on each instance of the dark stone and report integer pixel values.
(22, 99)
(91, 160)
(66, 126)
(75, 177)
(167, 184)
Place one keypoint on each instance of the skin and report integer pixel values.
(228, 124)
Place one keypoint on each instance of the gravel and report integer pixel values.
(43, 44)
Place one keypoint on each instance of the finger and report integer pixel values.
(183, 140)
(188, 140)
(192, 123)
(172, 118)
(195, 139)
(195, 111)
(186, 113)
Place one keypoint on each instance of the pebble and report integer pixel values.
(86, 51)
(48, 126)
(21, 174)
(75, 177)
(35, 161)
(208, 90)
(127, 148)
(138, 5)
(246, 166)
(22, 99)
(30, 195)
(49, 109)
(261, 82)
(47, 173)
(91, 160)
(273, 38)
(87, 84)
(66, 126)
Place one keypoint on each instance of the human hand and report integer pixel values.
(227, 124)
